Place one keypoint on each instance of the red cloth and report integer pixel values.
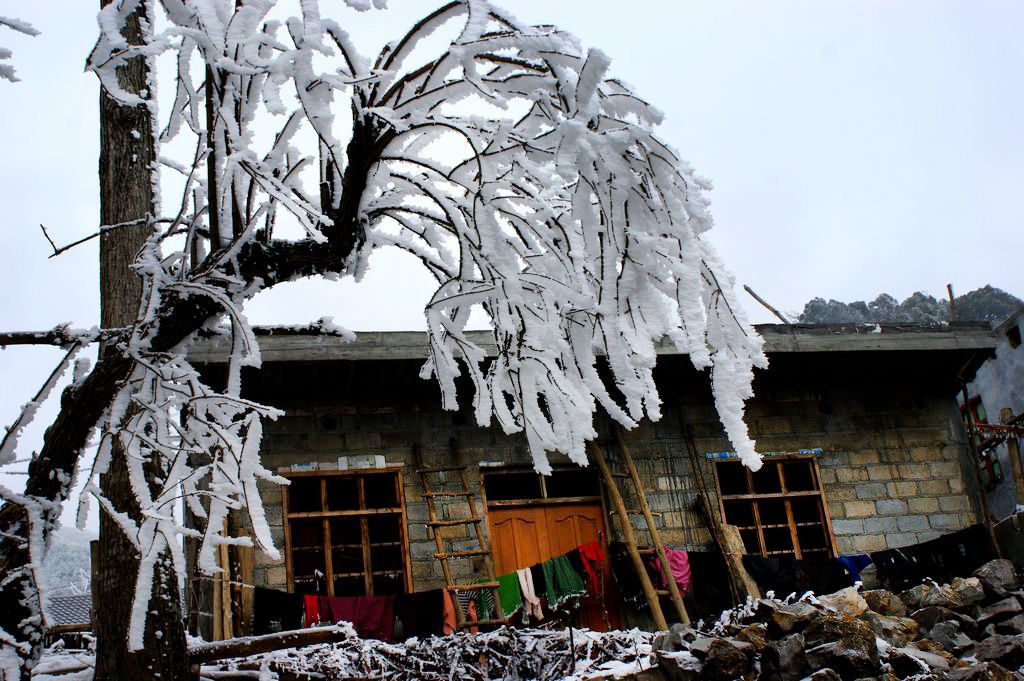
(678, 564)
(593, 562)
(449, 621)
(371, 616)
(311, 604)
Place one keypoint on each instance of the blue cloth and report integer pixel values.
(854, 564)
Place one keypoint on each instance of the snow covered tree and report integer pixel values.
(525, 179)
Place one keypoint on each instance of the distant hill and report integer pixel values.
(985, 304)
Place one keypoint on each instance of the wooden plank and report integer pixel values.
(1013, 449)
(246, 569)
(630, 537)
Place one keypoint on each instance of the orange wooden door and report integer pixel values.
(522, 536)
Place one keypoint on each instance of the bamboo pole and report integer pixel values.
(630, 537)
(659, 548)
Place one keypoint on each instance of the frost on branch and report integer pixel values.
(524, 178)
(6, 70)
(559, 212)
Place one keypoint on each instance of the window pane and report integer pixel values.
(739, 513)
(388, 584)
(799, 476)
(381, 491)
(732, 478)
(766, 480)
(509, 486)
(572, 483)
(777, 539)
(349, 586)
(385, 529)
(304, 495)
(308, 562)
(342, 493)
(773, 512)
(751, 542)
(806, 509)
(811, 537)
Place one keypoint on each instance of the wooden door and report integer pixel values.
(522, 536)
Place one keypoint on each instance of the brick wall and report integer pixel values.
(892, 470)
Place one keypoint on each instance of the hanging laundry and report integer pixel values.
(530, 600)
(311, 606)
(539, 585)
(563, 582)
(371, 616)
(940, 559)
(421, 614)
(854, 563)
(509, 593)
(625, 575)
(275, 611)
(678, 564)
(449, 619)
(593, 559)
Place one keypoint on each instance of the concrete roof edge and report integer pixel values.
(281, 344)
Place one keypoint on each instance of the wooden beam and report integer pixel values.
(203, 653)
(1013, 449)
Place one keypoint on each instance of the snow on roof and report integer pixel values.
(66, 611)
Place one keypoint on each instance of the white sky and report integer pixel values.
(855, 148)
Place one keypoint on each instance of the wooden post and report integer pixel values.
(227, 630)
(1013, 449)
(659, 549)
(627, 532)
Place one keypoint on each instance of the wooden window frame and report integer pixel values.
(362, 513)
(495, 471)
(819, 493)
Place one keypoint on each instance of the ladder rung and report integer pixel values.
(479, 586)
(451, 523)
(462, 554)
(632, 511)
(646, 552)
(462, 493)
(620, 475)
(663, 592)
(440, 469)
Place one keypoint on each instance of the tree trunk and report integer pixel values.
(126, 196)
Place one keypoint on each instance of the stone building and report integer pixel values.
(865, 450)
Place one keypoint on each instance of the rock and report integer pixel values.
(928, 617)
(700, 646)
(999, 611)
(724, 662)
(942, 596)
(913, 597)
(885, 603)
(930, 660)
(969, 590)
(784, 660)
(675, 638)
(904, 664)
(679, 666)
(846, 602)
(998, 577)
(1006, 650)
(949, 636)
(785, 619)
(1012, 626)
(847, 646)
(929, 646)
(897, 631)
(986, 671)
(845, 656)
(825, 675)
(755, 634)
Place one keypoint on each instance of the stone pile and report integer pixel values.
(971, 629)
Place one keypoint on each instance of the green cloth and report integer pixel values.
(509, 594)
(562, 581)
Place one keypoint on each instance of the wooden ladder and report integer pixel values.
(435, 522)
(636, 553)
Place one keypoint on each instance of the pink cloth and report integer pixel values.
(679, 564)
